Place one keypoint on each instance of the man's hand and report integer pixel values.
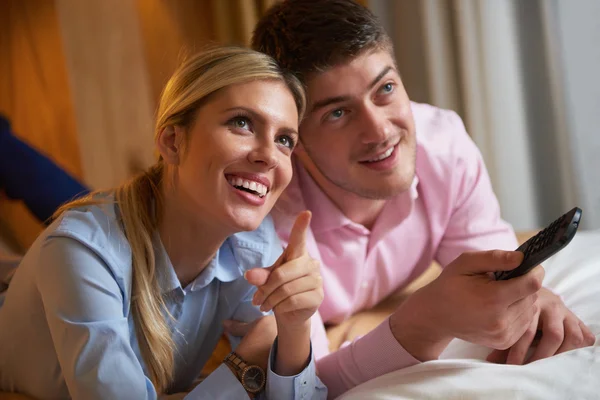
(257, 339)
(466, 302)
(560, 330)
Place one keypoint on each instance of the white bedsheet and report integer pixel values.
(462, 373)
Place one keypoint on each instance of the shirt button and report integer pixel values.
(365, 284)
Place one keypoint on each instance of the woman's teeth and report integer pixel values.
(384, 155)
(250, 186)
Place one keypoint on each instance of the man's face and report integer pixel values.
(359, 132)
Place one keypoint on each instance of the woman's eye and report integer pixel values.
(240, 123)
(287, 141)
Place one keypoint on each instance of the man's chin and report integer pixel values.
(382, 193)
(387, 187)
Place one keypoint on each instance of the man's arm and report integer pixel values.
(476, 224)
(26, 174)
(370, 356)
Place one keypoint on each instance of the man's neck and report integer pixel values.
(358, 209)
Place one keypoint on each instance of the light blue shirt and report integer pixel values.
(66, 328)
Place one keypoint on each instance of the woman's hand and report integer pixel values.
(293, 289)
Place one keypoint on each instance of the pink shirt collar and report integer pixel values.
(327, 216)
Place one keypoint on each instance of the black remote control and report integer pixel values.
(545, 244)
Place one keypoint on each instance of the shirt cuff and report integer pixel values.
(378, 352)
(221, 384)
(304, 385)
(375, 354)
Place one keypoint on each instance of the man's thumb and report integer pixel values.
(488, 261)
(236, 328)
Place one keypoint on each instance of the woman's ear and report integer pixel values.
(169, 143)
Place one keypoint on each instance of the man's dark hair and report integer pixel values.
(306, 36)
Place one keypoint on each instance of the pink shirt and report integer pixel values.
(450, 209)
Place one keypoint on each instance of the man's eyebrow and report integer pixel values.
(380, 76)
(329, 100)
(338, 99)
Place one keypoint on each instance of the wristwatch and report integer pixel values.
(252, 377)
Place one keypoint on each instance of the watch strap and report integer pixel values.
(238, 366)
(236, 362)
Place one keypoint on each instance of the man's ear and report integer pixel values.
(169, 143)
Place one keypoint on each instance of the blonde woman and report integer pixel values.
(125, 294)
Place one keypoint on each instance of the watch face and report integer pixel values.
(253, 379)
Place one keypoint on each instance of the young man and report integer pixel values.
(393, 185)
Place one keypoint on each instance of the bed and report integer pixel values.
(461, 373)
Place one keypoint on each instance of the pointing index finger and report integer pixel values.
(297, 243)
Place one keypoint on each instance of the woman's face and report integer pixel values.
(236, 162)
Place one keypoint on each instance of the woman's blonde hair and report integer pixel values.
(139, 200)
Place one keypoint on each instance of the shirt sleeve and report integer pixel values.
(83, 305)
(475, 222)
(305, 385)
(372, 355)
(221, 384)
(27, 174)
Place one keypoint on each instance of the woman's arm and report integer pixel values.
(252, 336)
(292, 288)
(84, 307)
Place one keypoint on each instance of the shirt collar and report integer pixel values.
(326, 215)
(239, 253)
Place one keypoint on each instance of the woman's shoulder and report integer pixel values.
(95, 226)
(83, 244)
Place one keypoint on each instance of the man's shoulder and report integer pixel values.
(442, 140)
(438, 129)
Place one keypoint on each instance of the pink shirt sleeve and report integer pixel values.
(370, 356)
(475, 222)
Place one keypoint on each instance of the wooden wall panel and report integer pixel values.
(35, 96)
(170, 31)
(110, 88)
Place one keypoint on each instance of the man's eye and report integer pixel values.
(339, 113)
(387, 88)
